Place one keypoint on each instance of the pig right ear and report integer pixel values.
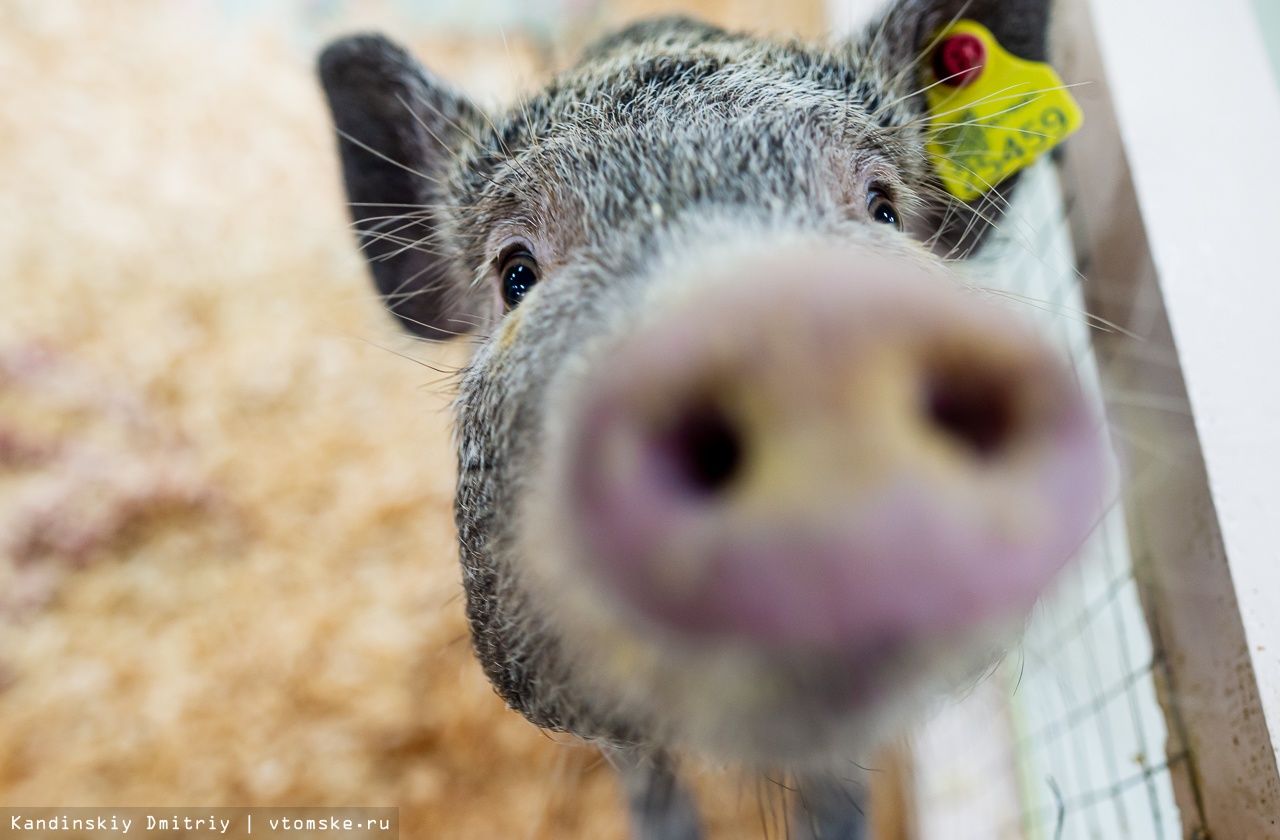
(399, 129)
(902, 39)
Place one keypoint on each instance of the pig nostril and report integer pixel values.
(705, 450)
(977, 411)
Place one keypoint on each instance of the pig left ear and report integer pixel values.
(399, 130)
(902, 39)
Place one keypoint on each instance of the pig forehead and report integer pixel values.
(706, 81)
(662, 167)
(716, 141)
(648, 130)
(579, 186)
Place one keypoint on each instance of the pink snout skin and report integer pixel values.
(827, 498)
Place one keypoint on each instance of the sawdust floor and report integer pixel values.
(227, 562)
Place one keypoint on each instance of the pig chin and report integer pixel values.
(736, 698)
(776, 522)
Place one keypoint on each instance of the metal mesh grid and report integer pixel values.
(1066, 738)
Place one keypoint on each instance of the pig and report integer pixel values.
(745, 470)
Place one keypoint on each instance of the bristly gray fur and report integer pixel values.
(662, 133)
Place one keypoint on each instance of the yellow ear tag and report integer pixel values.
(991, 113)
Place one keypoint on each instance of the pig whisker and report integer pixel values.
(447, 376)
(768, 808)
(511, 157)
(862, 767)
(426, 288)
(760, 808)
(895, 102)
(1009, 128)
(471, 333)
(993, 196)
(522, 100)
(397, 298)
(417, 212)
(997, 200)
(990, 671)
(912, 66)
(1035, 251)
(422, 100)
(416, 361)
(456, 319)
(381, 222)
(808, 811)
(1056, 222)
(1083, 316)
(393, 299)
(1073, 314)
(779, 794)
(421, 245)
(1011, 211)
(1022, 667)
(374, 235)
(952, 210)
(777, 790)
(387, 204)
(475, 139)
(995, 96)
(385, 158)
(1150, 401)
(442, 143)
(449, 380)
(1060, 823)
(785, 802)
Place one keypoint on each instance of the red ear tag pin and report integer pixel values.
(959, 60)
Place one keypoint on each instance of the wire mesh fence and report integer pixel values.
(1066, 740)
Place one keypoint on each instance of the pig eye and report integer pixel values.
(519, 274)
(882, 209)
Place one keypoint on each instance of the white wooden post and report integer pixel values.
(1176, 180)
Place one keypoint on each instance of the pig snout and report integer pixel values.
(832, 453)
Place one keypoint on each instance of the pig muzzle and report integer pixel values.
(827, 453)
